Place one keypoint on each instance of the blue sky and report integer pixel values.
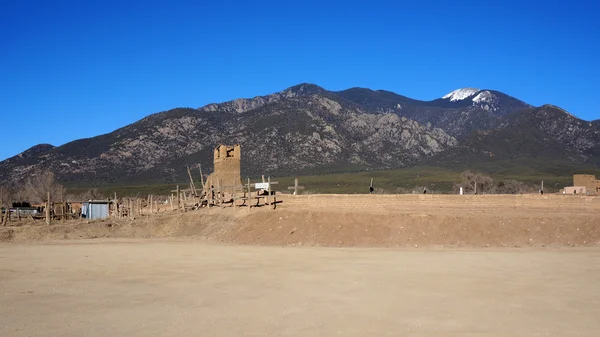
(75, 69)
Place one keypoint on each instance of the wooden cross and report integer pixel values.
(296, 187)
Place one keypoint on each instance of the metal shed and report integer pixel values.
(95, 209)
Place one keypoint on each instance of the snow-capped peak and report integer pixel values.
(460, 94)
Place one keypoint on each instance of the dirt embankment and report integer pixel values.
(360, 220)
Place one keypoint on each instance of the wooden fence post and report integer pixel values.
(4, 218)
(178, 199)
(249, 195)
(269, 191)
(48, 209)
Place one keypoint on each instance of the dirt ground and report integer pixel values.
(414, 221)
(123, 287)
(428, 265)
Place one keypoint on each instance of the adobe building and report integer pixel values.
(588, 181)
(574, 190)
(227, 166)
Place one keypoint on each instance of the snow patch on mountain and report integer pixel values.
(486, 100)
(460, 94)
(484, 96)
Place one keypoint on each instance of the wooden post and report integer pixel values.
(201, 176)
(116, 214)
(6, 218)
(151, 210)
(62, 206)
(2, 205)
(48, 209)
(171, 201)
(121, 209)
(18, 214)
(6, 215)
(249, 195)
(234, 193)
(178, 199)
(296, 187)
(269, 191)
(192, 185)
(3, 219)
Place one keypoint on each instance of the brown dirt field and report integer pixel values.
(360, 221)
(124, 287)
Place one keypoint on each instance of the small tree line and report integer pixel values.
(473, 183)
(36, 188)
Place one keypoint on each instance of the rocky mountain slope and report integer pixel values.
(545, 138)
(306, 128)
(301, 129)
(458, 113)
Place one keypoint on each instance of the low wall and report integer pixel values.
(408, 203)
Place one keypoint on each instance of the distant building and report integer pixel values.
(227, 166)
(586, 184)
(575, 190)
(589, 181)
(95, 209)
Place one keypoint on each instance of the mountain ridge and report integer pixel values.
(305, 128)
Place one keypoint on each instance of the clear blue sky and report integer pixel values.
(74, 69)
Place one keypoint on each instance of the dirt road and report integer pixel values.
(186, 288)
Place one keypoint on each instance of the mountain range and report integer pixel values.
(307, 129)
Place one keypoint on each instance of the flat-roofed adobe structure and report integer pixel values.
(589, 181)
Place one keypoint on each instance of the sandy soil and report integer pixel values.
(360, 221)
(121, 287)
